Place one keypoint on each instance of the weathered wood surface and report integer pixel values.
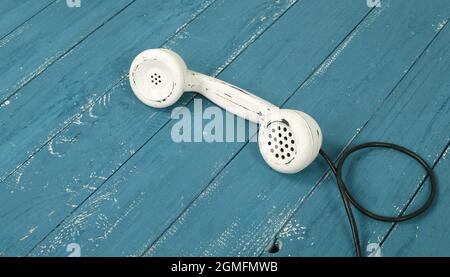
(83, 161)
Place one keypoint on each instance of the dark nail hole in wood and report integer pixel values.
(274, 247)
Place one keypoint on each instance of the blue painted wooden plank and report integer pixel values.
(14, 13)
(427, 236)
(85, 165)
(37, 44)
(416, 115)
(74, 83)
(71, 76)
(243, 208)
(135, 205)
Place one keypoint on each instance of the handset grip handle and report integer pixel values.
(233, 99)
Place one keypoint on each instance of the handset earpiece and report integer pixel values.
(157, 77)
(289, 140)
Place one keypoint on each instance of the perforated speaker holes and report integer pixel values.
(281, 141)
(156, 79)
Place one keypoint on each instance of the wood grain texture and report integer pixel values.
(427, 236)
(14, 13)
(77, 80)
(148, 206)
(416, 115)
(87, 163)
(28, 52)
(59, 100)
(342, 95)
(112, 110)
(38, 43)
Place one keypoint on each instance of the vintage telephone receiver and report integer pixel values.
(289, 140)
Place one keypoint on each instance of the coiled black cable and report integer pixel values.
(348, 199)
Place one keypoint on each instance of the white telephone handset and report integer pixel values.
(289, 140)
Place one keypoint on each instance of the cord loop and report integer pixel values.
(348, 198)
